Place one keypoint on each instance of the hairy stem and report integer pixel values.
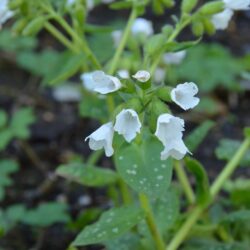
(215, 188)
(183, 179)
(122, 44)
(160, 245)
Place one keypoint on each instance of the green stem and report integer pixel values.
(81, 42)
(176, 32)
(126, 195)
(185, 229)
(160, 245)
(57, 34)
(229, 168)
(122, 44)
(182, 177)
(217, 185)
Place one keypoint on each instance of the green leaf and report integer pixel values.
(6, 136)
(68, 70)
(121, 5)
(211, 244)
(175, 47)
(241, 215)
(166, 210)
(154, 44)
(196, 137)
(128, 241)
(11, 43)
(7, 167)
(3, 118)
(93, 107)
(46, 214)
(37, 63)
(111, 225)
(219, 60)
(202, 183)
(87, 175)
(227, 148)
(20, 122)
(141, 167)
(98, 42)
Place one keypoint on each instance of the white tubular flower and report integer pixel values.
(222, 19)
(142, 26)
(169, 132)
(142, 76)
(237, 4)
(184, 95)
(177, 149)
(102, 138)
(5, 12)
(174, 57)
(105, 84)
(127, 124)
(116, 36)
(123, 73)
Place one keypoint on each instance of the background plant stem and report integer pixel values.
(215, 188)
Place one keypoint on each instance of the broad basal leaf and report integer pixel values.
(87, 175)
(111, 225)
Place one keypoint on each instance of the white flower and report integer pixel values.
(169, 132)
(159, 75)
(5, 12)
(87, 81)
(222, 19)
(105, 84)
(142, 76)
(123, 73)
(67, 93)
(237, 4)
(127, 124)
(184, 95)
(90, 4)
(174, 57)
(102, 138)
(142, 26)
(116, 36)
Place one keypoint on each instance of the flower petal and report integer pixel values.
(222, 19)
(142, 26)
(127, 124)
(102, 138)
(237, 4)
(105, 84)
(183, 95)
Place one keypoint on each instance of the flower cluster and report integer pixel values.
(169, 129)
(222, 19)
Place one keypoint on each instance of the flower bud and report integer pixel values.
(197, 28)
(212, 8)
(19, 25)
(34, 26)
(208, 26)
(188, 5)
